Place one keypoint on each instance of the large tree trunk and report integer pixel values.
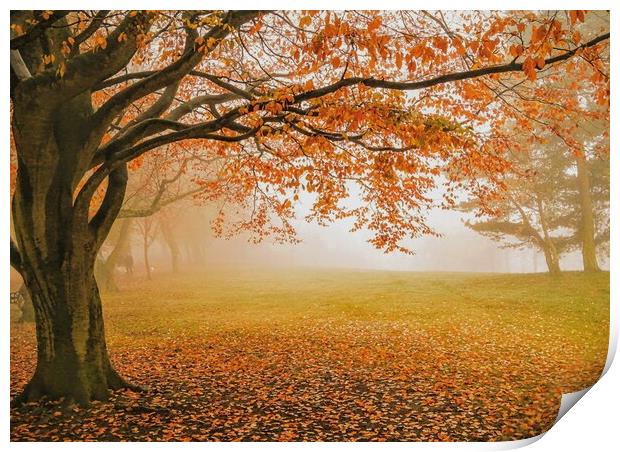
(587, 229)
(57, 239)
(72, 359)
(58, 270)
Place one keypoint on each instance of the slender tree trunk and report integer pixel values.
(552, 259)
(172, 243)
(147, 265)
(587, 229)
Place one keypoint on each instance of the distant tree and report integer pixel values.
(555, 201)
(157, 183)
(589, 143)
(524, 214)
(593, 196)
(167, 220)
(147, 227)
(586, 201)
(558, 185)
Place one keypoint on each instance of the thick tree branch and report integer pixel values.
(197, 132)
(187, 134)
(86, 70)
(109, 151)
(38, 29)
(171, 74)
(102, 221)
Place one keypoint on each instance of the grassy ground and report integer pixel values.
(310, 354)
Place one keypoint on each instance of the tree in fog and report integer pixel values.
(168, 220)
(148, 231)
(590, 192)
(157, 183)
(543, 205)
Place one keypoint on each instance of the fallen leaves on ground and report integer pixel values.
(339, 379)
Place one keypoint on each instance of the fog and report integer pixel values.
(459, 249)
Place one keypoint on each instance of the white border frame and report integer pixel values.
(592, 424)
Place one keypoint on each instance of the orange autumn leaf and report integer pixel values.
(529, 68)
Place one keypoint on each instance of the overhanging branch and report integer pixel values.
(170, 74)
(156, 206)
(446, 78)
(207, 130)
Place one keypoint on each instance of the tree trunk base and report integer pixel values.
(73, 392)
(592, 270)
(115, 381)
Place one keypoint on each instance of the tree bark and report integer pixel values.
(552, 259)
(588, 228)
(57, 242)
(72, 358)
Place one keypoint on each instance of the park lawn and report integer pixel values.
(320, 355)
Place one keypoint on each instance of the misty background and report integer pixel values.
(458, 249)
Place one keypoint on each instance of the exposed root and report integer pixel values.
(32, 392)
(36, 390)
(115, 381)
